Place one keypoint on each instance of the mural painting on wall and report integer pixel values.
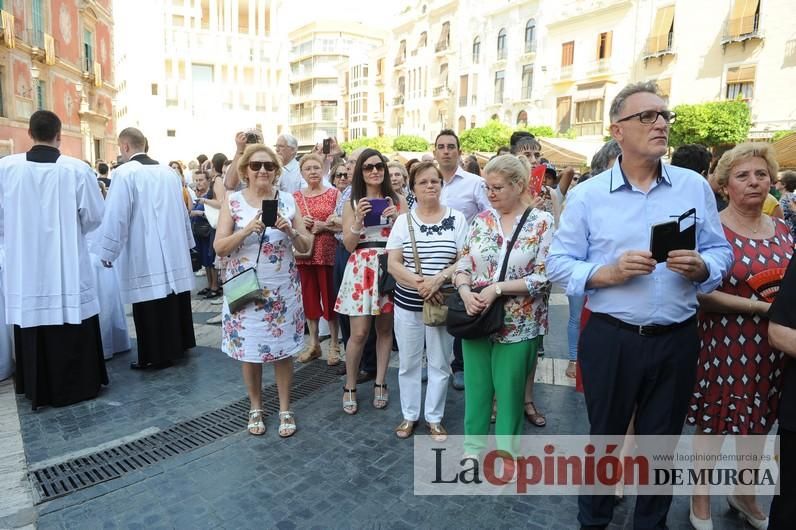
(104, 51)
(67, 102)
(23, 89)
(65, 30)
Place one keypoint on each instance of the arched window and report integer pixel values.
(462, 123)
(501, 44)
(476, 50)
(530, 36)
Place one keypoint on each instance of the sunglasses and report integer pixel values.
(255, 166)
(341, 175)
(367, 168)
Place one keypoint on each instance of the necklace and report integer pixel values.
(754, 230)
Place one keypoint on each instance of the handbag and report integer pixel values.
(308, 253)
(490, 320)
(244, 287)
(196, 260)
(201, 227)
(386, 281)
(433, 314)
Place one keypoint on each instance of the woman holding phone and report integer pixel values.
(259, 222)
(367, 221)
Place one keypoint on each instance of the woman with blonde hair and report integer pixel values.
(269, 329)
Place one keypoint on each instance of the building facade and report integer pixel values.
(58, 55)
(330, 80)
(204, 70)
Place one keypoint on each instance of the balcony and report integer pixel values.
(398, 101)
(400, 60)
(440, 92)
(590, 128)
(442, 47)
(463, 101)
(653, 51)
(741, 30)
(530, 48)
(566, 73)
(600, 68)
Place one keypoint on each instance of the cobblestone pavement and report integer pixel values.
(338, 471)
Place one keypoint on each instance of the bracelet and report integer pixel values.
(358, 232)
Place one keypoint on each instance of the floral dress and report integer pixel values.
(482, 258)
(272, 328)
(359, 290)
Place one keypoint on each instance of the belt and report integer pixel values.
(645, 331)
(372, 244)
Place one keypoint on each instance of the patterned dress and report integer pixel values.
(320, 208)
(359, 290)
(272, 328)
(739, 373)
(482, 257)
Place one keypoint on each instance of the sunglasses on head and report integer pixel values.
(255, 166)
(367, 168)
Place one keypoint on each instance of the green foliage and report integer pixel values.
(407, 142)
(382, 143)
(779, 135)
(487, 138)
(540, 131)
(711, 124)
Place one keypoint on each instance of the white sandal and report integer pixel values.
(259, 425)
(287, 424)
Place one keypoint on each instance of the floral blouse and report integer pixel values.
(482, 258)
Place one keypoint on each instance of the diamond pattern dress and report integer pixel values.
(739, 374)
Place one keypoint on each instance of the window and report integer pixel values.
(37, 38)
(568, 53)
(563, 113)
(588, 117)
(202, 73)
(501, 44)
(171, 133)
(88, 51)
(500, 76)
(444, 37)
(476, 50)
(662, 31)
(604, 45)
(154, 89)
(527, 81)
(423, 40)
(41, 95)
(530, 37)
(97, 149)
(744, 18)
(740, 82)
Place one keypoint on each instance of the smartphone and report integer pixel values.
(270, 207)
(671, 235)
(251, 138)
(373, 217)
(327, 146)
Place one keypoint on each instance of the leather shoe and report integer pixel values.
(135, 365)
(364, 377)
(457, 381)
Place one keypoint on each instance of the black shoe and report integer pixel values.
(213, 294)
(203, 291)
(364, 377)
(135, 365)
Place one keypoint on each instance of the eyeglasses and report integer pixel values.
(367, 168)
(648, 117)
(255, 166)
(494, 189)
(341, 175)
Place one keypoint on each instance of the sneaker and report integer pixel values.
(457, 381)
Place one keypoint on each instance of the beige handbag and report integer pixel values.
(308, 253)
(433, 314)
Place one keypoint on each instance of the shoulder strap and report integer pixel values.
(511, 243)
(262, 238)
(411, 223)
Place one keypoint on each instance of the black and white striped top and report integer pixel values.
(437, 247)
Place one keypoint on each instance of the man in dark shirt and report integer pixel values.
(102, 168)
(782, 335)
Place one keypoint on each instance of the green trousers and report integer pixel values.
(499, 370)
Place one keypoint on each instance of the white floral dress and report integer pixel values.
(272, 328)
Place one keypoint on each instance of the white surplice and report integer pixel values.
(146, 232)
(47, 211)
(6, 346)
(113, 322)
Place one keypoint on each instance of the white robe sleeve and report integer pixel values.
(188, 230)
(116, 222)
(90, 205)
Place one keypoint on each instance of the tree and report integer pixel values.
(711, 124)
(382, 144)
(540, 131)
(407, 142)
(487, 138)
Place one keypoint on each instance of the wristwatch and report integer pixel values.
(498, 290)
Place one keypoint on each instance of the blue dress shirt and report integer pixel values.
(607, 216)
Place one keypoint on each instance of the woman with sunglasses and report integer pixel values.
(270, 329)
(365, 236)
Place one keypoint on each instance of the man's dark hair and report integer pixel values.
(218, 162)
(44, 126)
(201, 159)
(519, 139)
(102, 167)
(516, 135)
(447, 132)
(503, 150)
(695, 157)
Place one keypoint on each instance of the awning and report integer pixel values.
(659, 38)
(741, 74)
(742, 18)
(589, 94)
(785, 152)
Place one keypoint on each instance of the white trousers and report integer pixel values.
(412, 335)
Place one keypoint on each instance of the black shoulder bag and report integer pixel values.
(491, 319)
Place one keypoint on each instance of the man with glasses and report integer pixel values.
(640, 347)
(290, 180)
(461, 191)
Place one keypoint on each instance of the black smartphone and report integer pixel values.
(270, 207)
(251, 138)
(673, 235)
(327, 146)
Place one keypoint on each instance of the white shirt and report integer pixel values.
(466, 193)
(147, 233)
(47, 210)
(290, 181)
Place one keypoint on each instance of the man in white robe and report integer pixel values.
(146, 235)
(49, 202)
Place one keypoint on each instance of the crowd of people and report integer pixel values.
(380, 251)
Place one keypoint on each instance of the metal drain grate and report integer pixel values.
(67, 477)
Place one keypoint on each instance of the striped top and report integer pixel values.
(437, 247)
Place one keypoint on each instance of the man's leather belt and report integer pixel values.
(645, 331)
(372, 244)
